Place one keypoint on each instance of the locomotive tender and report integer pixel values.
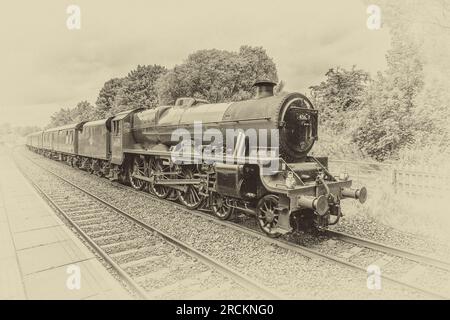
(138, 147)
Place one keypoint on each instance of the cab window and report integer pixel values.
(116, 127)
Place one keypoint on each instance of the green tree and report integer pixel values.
(432, 113)
(387, 124)
(217, 75)
(83, 111)
(107, 96)
(254, 64)
(59, 118)
(138, 89)
(339, 96)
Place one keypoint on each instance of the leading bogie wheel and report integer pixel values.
(267, 214)
(220, 208)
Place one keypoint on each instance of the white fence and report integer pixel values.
(411, 180)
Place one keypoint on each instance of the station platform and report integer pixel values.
(38, 252)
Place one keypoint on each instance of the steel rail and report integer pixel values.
(229, 272)
(370, 244)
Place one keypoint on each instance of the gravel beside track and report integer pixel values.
(396, 266)
(370, 229)
(293, 274)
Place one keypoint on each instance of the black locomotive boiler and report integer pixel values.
(270, 177)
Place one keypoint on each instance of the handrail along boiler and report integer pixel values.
(137, 147)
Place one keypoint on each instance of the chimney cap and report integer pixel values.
(264, 82)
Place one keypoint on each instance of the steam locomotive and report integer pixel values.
(262, 169)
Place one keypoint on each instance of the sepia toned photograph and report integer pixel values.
(225, 156)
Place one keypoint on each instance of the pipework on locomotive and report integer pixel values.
(261, 169)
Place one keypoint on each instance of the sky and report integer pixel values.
(45, 66)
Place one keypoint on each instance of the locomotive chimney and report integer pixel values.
(264, 88)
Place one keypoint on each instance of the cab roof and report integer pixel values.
(124, 114)
(96, 122)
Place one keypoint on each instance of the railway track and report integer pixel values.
(316, 253)
(406, 254)
(154, 264)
